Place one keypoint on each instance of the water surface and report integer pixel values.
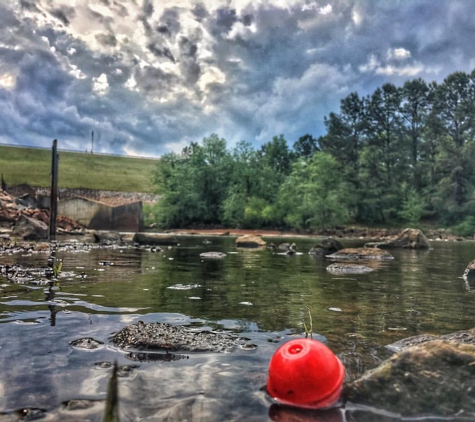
(264, 296)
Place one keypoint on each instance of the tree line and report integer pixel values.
(400, 155)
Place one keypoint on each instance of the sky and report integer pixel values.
(150, 76)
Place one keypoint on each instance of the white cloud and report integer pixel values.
(394, 68)
(131, 83)
(398, 54)
(325, 10)
(100, 85)
(7, 80)
(372, 64)
(356, 17)
(409, 71)
(76, 72)
(211, 75)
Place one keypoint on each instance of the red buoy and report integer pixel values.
(305, 373)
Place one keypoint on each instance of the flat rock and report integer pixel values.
(339, 268)
(361, 253)
(250, 241)
(462, 336)
(157, 335)
(155, 239)
(434, 378)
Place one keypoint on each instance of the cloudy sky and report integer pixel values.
(150, 76)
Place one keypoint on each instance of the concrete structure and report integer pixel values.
(99, 216)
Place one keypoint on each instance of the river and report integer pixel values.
(260, 294)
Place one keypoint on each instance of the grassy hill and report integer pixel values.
(77, 170)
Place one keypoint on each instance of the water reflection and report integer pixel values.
(258, 293)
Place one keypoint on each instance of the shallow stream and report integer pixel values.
(259, 294)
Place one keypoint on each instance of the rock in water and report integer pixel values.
(250, 241)
(407, 239)
(338, 268)
(155, 239)
(212, 255)
(106, 237)
(326, 247)
(434, 378)
(360, 253)
(157, 335)
(462, 336)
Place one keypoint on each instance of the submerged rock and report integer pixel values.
(212, 255)
(250, 241)
(326, 247)
(154, 357)
(157, 335)
(407, 239)
(360, 253)
(338, 268)
(433, 378)
(87, 343)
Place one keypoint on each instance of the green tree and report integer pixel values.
(415, 111)
(454, 107)
(252, 191)
(194, 184)
(306, 146)
(277, 155)
(313, 196)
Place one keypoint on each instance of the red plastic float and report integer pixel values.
(305, 373)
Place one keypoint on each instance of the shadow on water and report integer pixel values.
(258, 292)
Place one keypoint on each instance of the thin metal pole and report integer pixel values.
(54, 191)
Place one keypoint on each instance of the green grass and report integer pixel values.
(77, 170)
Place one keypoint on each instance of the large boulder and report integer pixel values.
(326, 247)
(250, 241)
(434, 378)
(407, 239)
(30, 229)
(155, 239)
(360, 253)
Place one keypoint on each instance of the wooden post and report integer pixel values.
(54, 191)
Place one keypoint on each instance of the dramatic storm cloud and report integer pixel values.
(150, 76)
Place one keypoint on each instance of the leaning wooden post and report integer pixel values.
(54, 191)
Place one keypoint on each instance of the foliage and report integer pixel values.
(412, 208)
(313, 196)
(396, 156)
(466, 228)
